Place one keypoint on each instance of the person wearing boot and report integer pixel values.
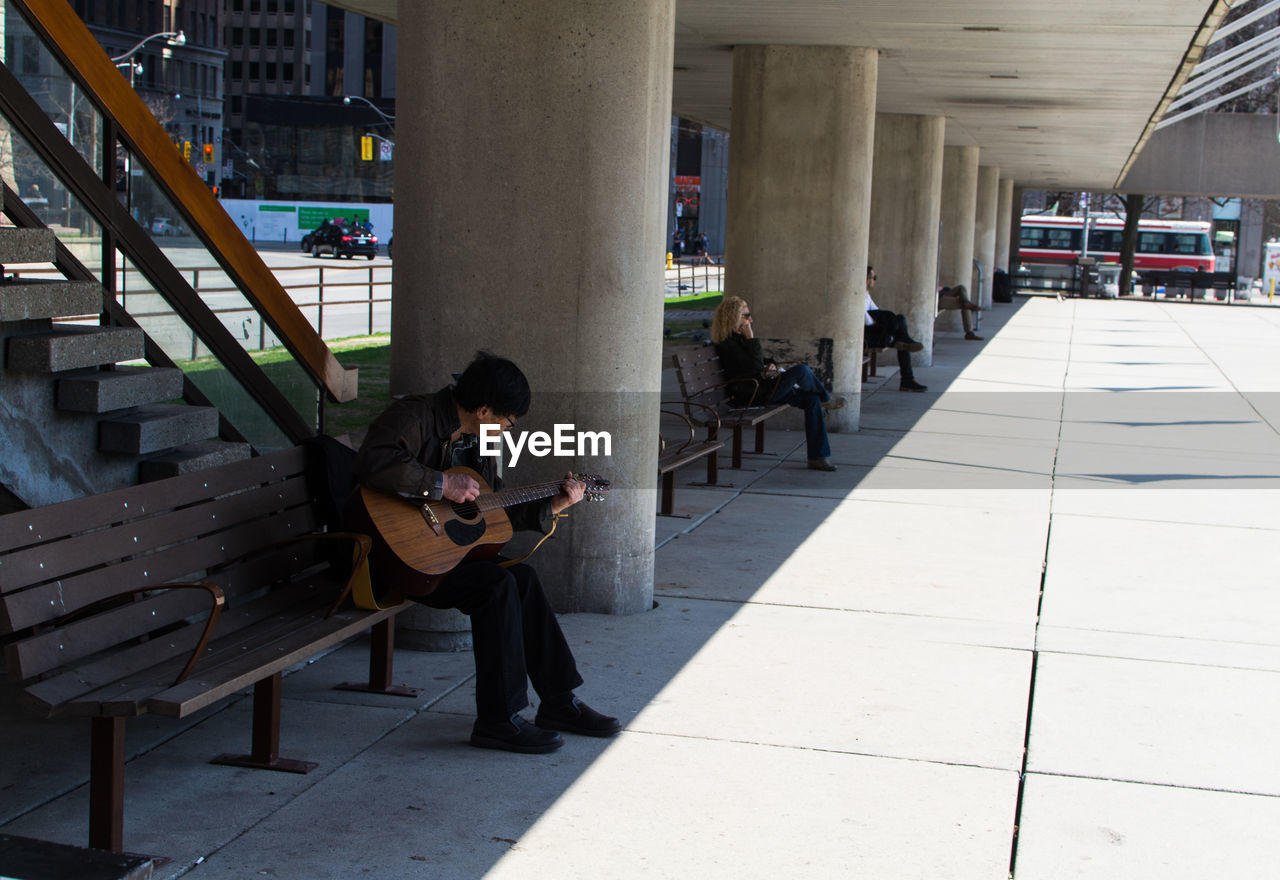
(411, 450)
(754, 381)
(886, 329)
(952, 299)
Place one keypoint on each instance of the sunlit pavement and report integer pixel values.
(1032, 623)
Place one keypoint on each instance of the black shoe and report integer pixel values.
(514, 735)
(821, 464)
(912, 385)
(577, 717)
(908, 345)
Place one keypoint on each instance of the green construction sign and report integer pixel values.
(311, 218)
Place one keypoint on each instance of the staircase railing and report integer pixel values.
(126, 120)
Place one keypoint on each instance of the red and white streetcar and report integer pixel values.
(1050, 247)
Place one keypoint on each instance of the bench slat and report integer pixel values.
(308, 637)
(75, 687)
(57, 559)
(53, 600)
(46, 651)
(692, 452)
(27, 527)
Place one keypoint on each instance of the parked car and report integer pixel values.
(343, 241)
(165, 226)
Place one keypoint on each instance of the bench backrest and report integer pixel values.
(59, 559)
(701, 376)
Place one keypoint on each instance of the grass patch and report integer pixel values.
(372, 354)
(698, 301)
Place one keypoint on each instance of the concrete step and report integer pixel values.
(192, 457)
(74, 348)
(156, 427)
(104, 391)
(30, 298)
(27, 245)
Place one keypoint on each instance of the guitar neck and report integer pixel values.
(511, 497)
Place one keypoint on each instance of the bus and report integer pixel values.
(1049, 247)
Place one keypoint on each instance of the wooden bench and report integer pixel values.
(167, 597)
(1176, 283)
(676, 453)
(869, 357)
(703, 384)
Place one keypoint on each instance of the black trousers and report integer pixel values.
(514, 635)
(888, 328)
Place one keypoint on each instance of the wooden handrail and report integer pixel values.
(82, 56)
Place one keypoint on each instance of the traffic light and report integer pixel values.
(366, 148)
(186, 150)
(208, 152)
(214, 189)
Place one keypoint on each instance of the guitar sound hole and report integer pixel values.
(466, 510)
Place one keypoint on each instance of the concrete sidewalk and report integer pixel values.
(1032, 624)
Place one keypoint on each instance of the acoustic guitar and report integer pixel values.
(432, 537)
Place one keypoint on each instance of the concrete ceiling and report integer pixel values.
(1058, 93)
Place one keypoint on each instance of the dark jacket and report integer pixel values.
(405, 451)
(742, 359)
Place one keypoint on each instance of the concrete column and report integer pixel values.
(803, 129)
(1015, 235)
(906, 197)
(531, 182)
(984, 229)
(959, 202)
(1004, 223)
(712, 211)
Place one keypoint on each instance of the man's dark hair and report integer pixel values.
(495, 382)
(869, 270)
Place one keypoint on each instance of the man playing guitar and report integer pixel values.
(409, 450)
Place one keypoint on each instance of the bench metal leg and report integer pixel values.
(381, 655)
(760, 439)
(266, 733)
(106, 784)
(669, 497)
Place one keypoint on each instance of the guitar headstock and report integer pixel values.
(595, 487)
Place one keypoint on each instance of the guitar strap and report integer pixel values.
(555, 520)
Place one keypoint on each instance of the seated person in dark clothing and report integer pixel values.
(408, 451)
(742, 359)
(886, 329)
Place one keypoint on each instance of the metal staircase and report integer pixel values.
(79, 411)
(90, 398)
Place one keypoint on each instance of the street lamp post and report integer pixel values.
(171, 38)
(387, 119)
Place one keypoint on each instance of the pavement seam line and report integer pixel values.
(1035, 642)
